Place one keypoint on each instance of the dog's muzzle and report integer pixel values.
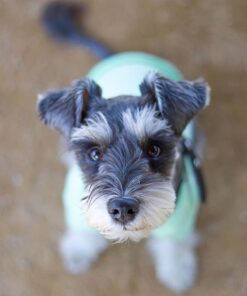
(123, 209)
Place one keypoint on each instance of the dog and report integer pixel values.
(134, 173)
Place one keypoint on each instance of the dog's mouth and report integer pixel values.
(127, 234)
(121, 219)
(133, 229)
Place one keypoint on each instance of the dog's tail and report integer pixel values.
(62, 22)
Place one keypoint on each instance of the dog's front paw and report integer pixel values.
(80, 250)
(175, 264)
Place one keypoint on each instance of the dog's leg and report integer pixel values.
(175, 261)
(80, 250)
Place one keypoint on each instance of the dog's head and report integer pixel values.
(126, 148)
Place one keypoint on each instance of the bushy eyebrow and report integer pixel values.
(96, 130)
(144, 123)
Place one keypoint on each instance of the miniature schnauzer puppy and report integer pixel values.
(129, 151)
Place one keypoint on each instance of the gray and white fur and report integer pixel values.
(128, 149)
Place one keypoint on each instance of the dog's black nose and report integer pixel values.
(123, 209)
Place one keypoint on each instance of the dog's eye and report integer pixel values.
(153, 151)
(95, 154)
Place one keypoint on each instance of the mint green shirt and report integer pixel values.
(121, 74)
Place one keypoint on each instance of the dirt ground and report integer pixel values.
(204, 38)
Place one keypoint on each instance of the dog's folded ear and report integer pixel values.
(177, 101)
(65, 109)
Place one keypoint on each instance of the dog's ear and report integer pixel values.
(177, 101)
(65, 109)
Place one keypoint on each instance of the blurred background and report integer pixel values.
(203, 38)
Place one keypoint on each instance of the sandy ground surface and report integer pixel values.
(205, 38)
